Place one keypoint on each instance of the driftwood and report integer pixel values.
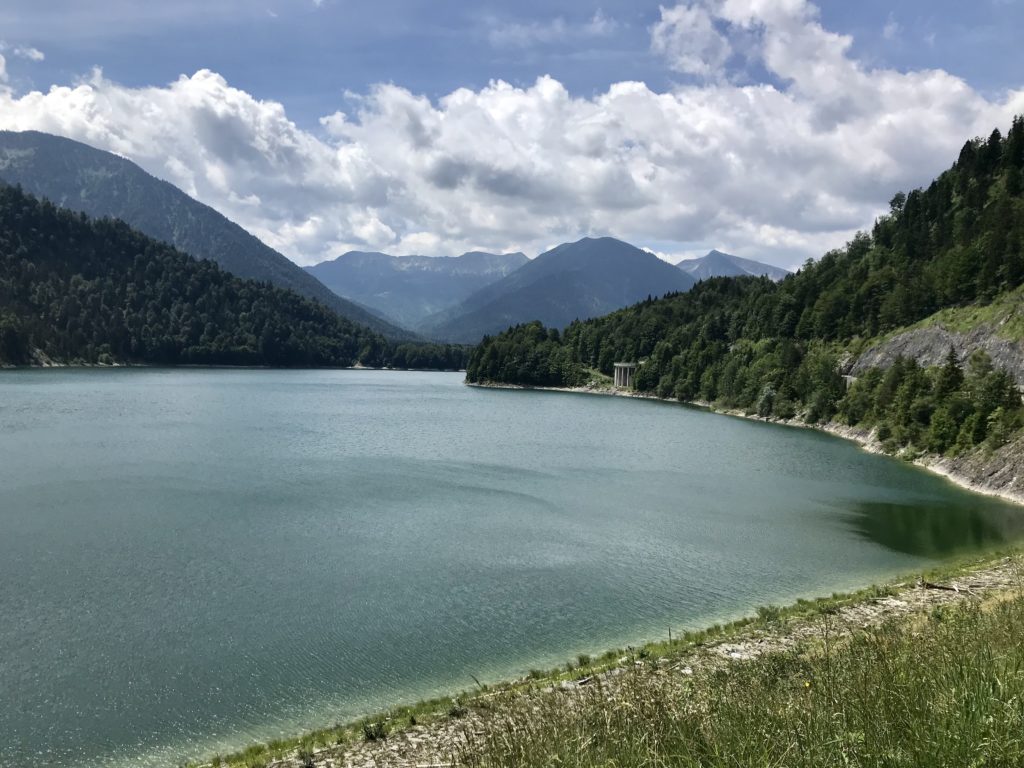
(943, 587)
(966, 588)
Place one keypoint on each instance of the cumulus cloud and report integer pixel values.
(780, 172)
(686, 37)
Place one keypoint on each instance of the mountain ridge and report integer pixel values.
(74, 175)
(718, 264)
(409, 289)
(578, 280)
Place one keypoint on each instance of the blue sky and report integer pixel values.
(318, 60)
(307, 55)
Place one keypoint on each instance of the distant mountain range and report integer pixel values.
(461, 299)
(79, 177)
(578, 280)
(409, 289)
(718, 264)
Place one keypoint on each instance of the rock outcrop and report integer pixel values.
(999, 472)
(929, 346)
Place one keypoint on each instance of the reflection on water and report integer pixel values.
(938, 529)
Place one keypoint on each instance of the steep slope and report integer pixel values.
(79, 290)
(718, 264)
(573, 281)
(411, 288)
(79, 177)
(996, 327)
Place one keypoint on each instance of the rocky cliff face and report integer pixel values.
(929, 347)
(999, 472)
(996, 473)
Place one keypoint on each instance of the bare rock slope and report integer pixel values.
(930, 345)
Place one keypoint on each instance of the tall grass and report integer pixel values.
(945, 690)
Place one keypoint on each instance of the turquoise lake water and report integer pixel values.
(194, 559)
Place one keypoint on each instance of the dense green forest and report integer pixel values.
(776, 348)
(91, 291)
(104, 185)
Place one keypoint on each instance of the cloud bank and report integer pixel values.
(780, 170)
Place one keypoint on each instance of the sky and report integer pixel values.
(772, 129)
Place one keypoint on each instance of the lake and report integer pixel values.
(194, 559)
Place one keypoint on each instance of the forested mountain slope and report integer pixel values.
(777, 348)
(79, 290)
(79, 177)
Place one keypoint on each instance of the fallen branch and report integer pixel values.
(943, 587)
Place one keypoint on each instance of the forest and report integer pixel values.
(94, 291)
(778, 348)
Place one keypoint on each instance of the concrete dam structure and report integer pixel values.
(624, 375)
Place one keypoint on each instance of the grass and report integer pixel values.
(947, 690)
(597, 379)
(537, 736)
(1005, 314)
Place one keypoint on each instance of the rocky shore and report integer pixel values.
(447, 737)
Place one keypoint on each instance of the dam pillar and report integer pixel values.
(624, 374)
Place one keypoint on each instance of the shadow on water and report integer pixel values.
(936, 530)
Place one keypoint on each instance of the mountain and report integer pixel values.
(79, 177)
(94, 291)
(578, 280)
(75, 289)
(718, 264)
(411, 288)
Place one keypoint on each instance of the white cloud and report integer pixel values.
(600, 25)
(892, 28)
(778, 173)
(28, 52)
(3, 69)
(686, 37)
(509, 34)
(23, 51)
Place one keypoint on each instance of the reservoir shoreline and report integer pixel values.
(397, 522)
(442, 732)
(998, 474)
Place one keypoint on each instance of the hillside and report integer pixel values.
(718, 264)
(777, 349)
(94, 291)
(577, 280)
(98, 183)
(411, 288)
